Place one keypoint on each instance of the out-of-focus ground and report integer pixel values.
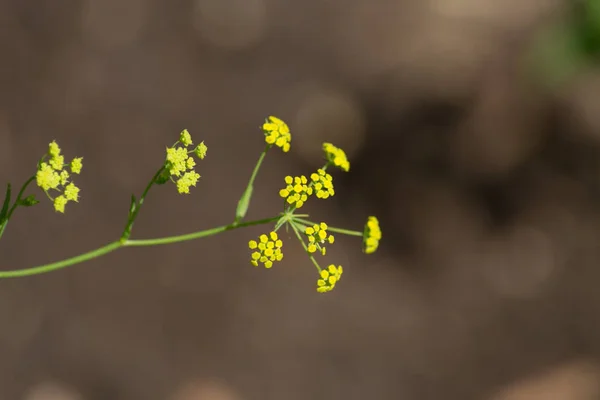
(486, 283)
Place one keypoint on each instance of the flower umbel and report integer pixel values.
(278, 133)
(371, 235)
(185, 138)
(328, 278)
(336, 156)
(52, 175)
(297, 190)
(317, 236)
(179, 164)
(267, 250)
(322, 183)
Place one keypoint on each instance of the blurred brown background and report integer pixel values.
(486, 184)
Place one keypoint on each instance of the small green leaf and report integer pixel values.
(28, 201)
(4, 210)
(162, 178)
(133, 205)
(243, 204)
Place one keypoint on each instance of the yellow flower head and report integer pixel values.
(177, 160)
(52, 175)
(181, 165)
(71, 192)
(188, 179)
(267, 250)
(297, 190)
(53, 149)
(278, 133)
(57, 162)
(317, 236)
(322, 182)
(77, 165)
(336, 156)
(46, 177)
(185, 138)
(328, 278)
(371, 235)
(59, 203)
(201, 150)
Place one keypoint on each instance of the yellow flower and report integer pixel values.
(371, 235)
(46, 177)
(177, 160)
(71, 192)
(52, 175)
(328, 278)
(76, 165)
(59, 203)
(201, 150)
(278, 133)
(57, 162)
(336, 156)
(317, 236)
(267, 250)
(53, 149)
(322, 182)
(188, 179)
(185, 138)
(297, 190)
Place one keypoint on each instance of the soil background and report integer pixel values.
(486, 186)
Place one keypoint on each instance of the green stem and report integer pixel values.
(42, 269)
(344, 231)
(304, 245)
(244, 201)
(127, 243)
(257, 166)
(138, 206)
(197, 235)
(15, 205)
(331, 228)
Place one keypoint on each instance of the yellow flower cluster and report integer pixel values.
(317, 236)
(53, 175)
(297, 190)
(180, 164)
(371, 235)
(336, 156)
(278, 133)
(328, 278)
(323, 184)
(267, 250)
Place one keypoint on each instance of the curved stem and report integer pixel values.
(197, 235)
(126, 243)
(331, 228)
(61, 264)
(305, 247)
(133, 215)
(345, 231)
